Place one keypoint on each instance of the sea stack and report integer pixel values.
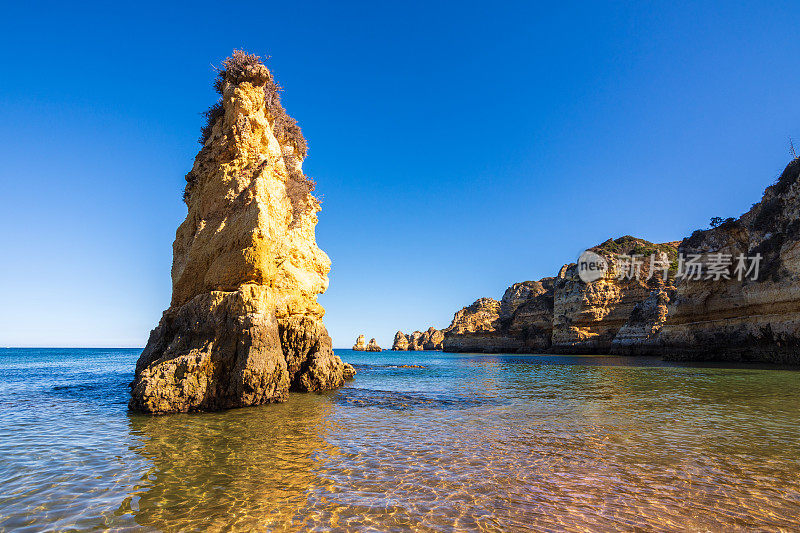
(361, 344)
(244, 326)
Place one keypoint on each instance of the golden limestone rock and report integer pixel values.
(244, 326)
(565, 314)
(731, 293)
(587, 317)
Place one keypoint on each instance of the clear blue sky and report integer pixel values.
(459, 147)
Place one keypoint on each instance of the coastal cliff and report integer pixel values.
(521, 321)
(564, 314)
(244, 326)
(757, 317)
(740, 313)
(587, 317)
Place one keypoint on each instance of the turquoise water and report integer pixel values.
(469, 442)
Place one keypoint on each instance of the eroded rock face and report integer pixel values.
(521, 322)
(639, 335)
(744, 318)
(748, 320)
(244, 326)
(526, 314)
(476, 328)
(588, 316)
(373, 346)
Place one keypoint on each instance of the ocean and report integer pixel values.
(468, 442)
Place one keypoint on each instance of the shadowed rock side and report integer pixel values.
(748, 320)
(244, 326)
(429, 340)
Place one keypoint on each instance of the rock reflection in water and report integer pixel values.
(247, 468)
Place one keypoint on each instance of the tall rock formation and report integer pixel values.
(373, 346)
(748, 319)
(244, 326)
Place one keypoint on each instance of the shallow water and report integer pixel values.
(470, 442)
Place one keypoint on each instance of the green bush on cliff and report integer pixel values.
(629, 245)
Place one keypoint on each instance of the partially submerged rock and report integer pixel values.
(244, 326)
(400, 341)
(373, 346)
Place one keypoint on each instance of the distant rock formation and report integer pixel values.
(400, 341)
(561, 314)
(755, 318)
(430, 340)
(361, 344)
(244, 326)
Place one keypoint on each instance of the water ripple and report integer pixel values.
(467, 443)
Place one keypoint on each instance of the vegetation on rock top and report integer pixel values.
(241, 67)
